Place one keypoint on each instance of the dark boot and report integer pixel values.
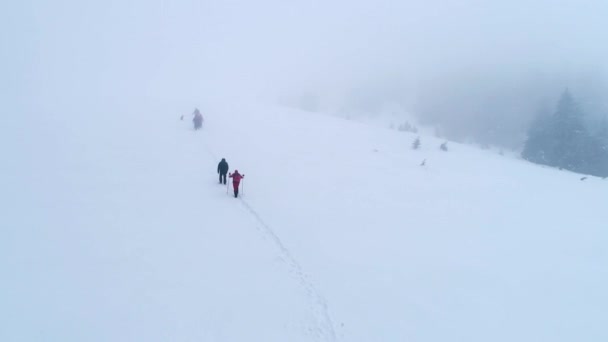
(236, 193)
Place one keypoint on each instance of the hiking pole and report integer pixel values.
(242, 186)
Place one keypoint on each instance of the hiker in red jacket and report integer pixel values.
(236, 180)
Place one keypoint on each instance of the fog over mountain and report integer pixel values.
(480, 70)
(115, 226)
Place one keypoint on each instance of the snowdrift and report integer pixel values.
(116, 229)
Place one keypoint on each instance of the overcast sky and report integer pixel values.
(57, 51)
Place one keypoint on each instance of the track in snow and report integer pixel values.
(325, 327)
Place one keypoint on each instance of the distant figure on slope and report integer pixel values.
(198, 119)
(222, 170)
(236, 180)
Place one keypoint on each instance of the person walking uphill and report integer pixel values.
(222, 170)
(236, 180)
(198, 119)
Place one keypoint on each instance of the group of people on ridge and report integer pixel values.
(222, 170)
(222, 167)
(198, 119)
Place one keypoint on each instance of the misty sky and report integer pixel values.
(449, 61)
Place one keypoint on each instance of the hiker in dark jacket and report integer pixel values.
(222, 170)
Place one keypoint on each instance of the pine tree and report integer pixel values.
(569, 134)
(416, 144)
(537, 145)
(563, 141)
(541, 145)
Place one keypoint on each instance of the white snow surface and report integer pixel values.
(114, 228)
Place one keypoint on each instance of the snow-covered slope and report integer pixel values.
(115, 229)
